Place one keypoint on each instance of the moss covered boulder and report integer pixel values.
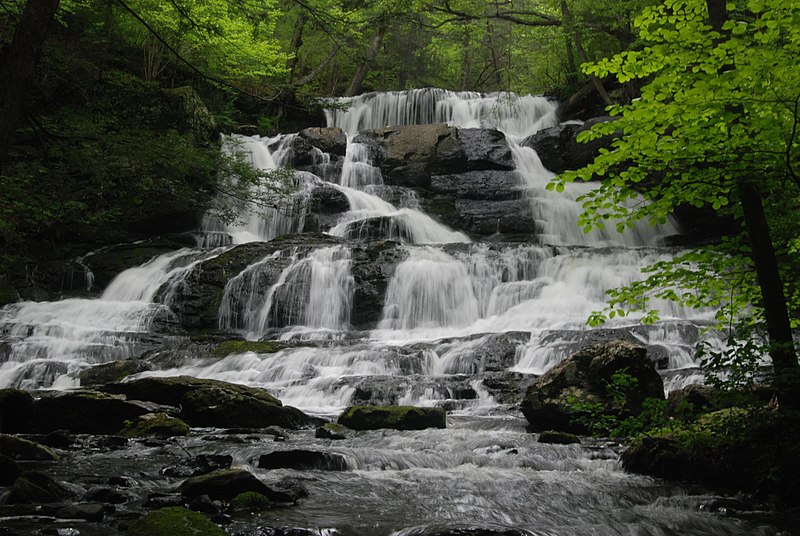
(18, 448)
(555, 400)
(112, 372)
(396, 417)
(214, 403)
(83, 412)
(250, 501)
(36, 488)
(155, 425)
(174, 521)
(225, 485)
(558, 438)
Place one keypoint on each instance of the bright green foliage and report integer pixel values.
(719, 109)
(601, 422)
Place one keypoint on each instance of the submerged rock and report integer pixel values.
(225, 484)
(396, 417)
(584, 378)
(302, 460)
(558, 438)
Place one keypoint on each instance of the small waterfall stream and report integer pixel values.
(454, 312)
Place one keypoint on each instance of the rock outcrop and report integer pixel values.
(552, 403)
(396, 417)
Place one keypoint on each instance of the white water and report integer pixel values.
(434, 294)
(49, 343)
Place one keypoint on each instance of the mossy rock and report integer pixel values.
(36, 488)
(171, 390)
(240, 347)
(156, 425)
(224, 484)
(250, 501)
(112, 372)
(219, 407)
(331, 430)
(558, 438)
(83, 412)
(174, 521)
(395, 417)
(17, 448)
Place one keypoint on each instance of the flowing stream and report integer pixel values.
(447, 300)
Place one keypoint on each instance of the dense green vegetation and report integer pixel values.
(715, 128)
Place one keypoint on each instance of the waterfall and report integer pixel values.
(50, 342)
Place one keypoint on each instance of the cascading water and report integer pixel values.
(454, 314)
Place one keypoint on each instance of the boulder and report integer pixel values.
(85, 511)
(174, 521)
(330, 430)
(328, 140)
(199, 465)
(396, 417)
(326, 204)
(228, 483)
(83, 412)
(559, 150)
(253, 408)
(302, 460)
(35, 488)
(155, 425)
(213, 403)
(488, 217)
(18, 448)
(112, 372)
(584, 378)
(16, 407)
(484, 148)
(250, 501)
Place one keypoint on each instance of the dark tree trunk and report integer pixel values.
(19, 68)
(779, 330)
(363, 69)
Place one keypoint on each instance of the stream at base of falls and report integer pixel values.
(370, 299)
(481, 472)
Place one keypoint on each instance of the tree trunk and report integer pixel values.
(779, 330)
(294, 47)
(363, 69)
(19, 69)
(569, 22)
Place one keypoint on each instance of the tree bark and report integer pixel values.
(776, 314)
(569, 22)
(363, 69)
(19, 69)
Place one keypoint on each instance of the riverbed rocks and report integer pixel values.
(301, 460)
(174, 521)
(84, 412)
(395, 417)
(18, 448)
(554, 401)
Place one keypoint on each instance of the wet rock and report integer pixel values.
(583, 378)
(18, 448)
(9, 470)
(559, 150)
(484, 184)
(484, 148)
(302, 460)
(171, 390)
(104, 494)
(155, 425)
(16, 407)
(485, 218)
(174, 521)
(558, 438)
(59, 439)
(83, 412)
(200, 465)
(112, 372)
(250, 501)
(86, 511)
(225, 484)
(35, 488)
(330, 430)
(328, 140)
(287, 490)
(327, 204)
(228, 483)
(396, 417)
(222, 406)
